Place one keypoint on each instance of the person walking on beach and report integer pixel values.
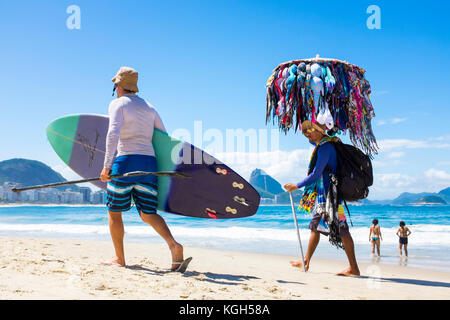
(317, 184)
(131, 124)
(375, 236)
(403, 233)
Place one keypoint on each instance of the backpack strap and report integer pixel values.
(345, 203)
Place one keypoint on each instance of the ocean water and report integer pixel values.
(271, 230)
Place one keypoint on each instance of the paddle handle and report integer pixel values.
(171, 174)
(298, 231)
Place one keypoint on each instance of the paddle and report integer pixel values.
(298, 232)
(171, 174)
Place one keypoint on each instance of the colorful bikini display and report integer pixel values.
(334, 91)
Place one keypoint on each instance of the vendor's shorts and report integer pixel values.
(142, 190)
(343, 226)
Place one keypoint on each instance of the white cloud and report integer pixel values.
(395, 155)
(439, 175)
(391, 185)
(383, 122)
(284, 166)
(399, 144)
(398, 120)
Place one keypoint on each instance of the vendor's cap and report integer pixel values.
(127, 78)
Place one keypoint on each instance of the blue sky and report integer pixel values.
(209, 61)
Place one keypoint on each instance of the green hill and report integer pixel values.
(29, 173)
(263, 181)
(432, 200)
(445, 192)
(268, 187)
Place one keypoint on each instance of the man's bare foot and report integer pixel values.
(349, 272)
(299, 264)
(177, 255)
(116, 262)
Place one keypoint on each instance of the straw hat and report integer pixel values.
(313, 125)
(127, 78)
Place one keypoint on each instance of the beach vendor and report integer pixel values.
(131, 124)
(323, 98)
(317, 186)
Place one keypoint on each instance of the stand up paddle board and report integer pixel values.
(214, 191)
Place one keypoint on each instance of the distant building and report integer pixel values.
(267, 201)
(8, 195)
(99, 197)
(86, 192)
(71, 197)
(1, 193)
(30, 195)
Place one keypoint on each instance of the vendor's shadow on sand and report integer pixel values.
(411, 281)
(218, 278)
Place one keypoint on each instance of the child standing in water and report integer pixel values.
(375, 236)
(403, 232)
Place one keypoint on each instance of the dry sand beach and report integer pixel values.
(71, 269)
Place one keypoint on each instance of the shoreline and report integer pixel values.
(12, 205)
(70, 269)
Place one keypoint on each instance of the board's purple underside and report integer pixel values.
(206, 189)
(87, 156)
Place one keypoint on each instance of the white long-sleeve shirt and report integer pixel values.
(131, 124)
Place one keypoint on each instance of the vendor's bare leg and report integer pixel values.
(349, 248)
(117, 232)
(312, 245)
(160, 226)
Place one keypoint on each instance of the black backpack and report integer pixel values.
(354, 172)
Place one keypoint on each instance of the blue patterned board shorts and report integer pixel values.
(143, 190)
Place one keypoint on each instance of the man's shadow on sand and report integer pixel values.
(217, 278)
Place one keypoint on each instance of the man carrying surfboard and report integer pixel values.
(131, 124)
(317, 185)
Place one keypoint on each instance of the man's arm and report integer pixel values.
(112, 138)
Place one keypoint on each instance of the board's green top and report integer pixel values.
(61, 135)
(167, 150)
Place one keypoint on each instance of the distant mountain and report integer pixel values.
(432, 200)
(407, 198)
(268, 187)
(264, 194)
(263, 181)
(29, 173)
(445, 192)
